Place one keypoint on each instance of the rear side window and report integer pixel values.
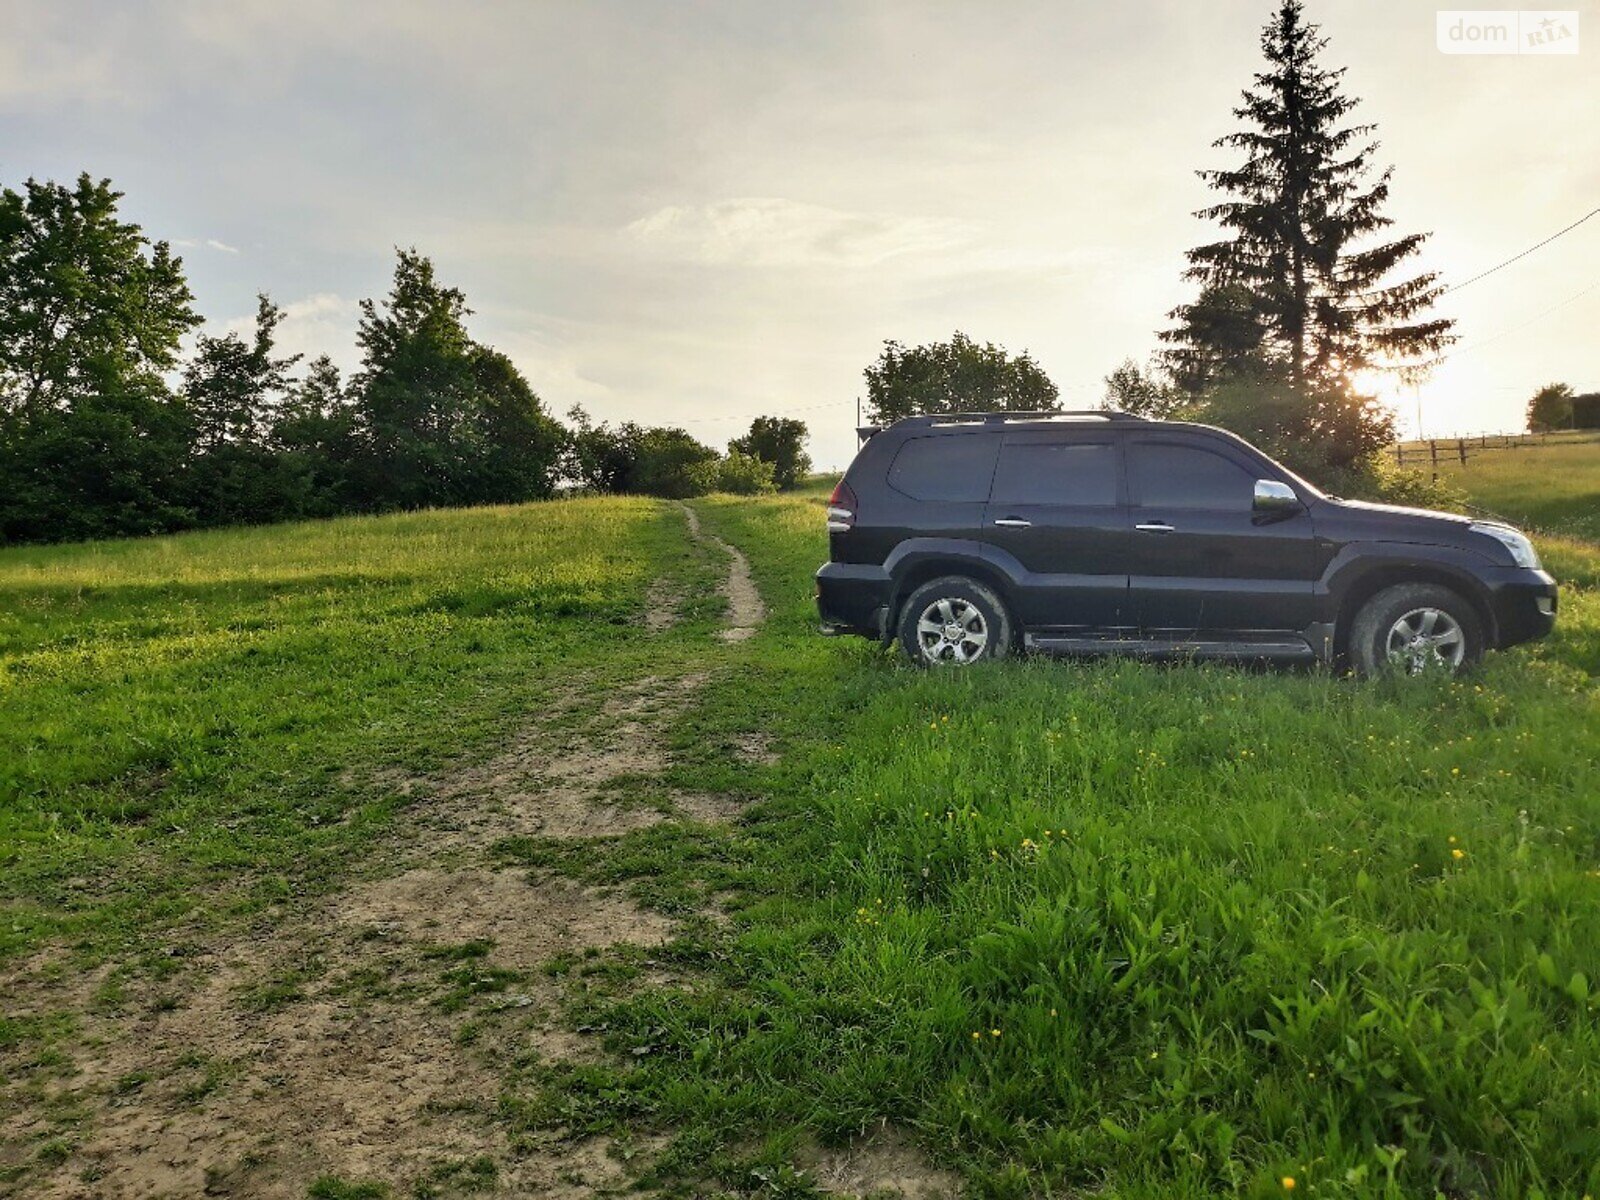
(1057, 472)
(1167, 475)
(954, 468)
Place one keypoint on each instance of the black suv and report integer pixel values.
(972, 535)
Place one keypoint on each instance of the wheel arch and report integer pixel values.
(1389, 574)
(922, 568)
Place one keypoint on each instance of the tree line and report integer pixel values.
(1303, 296)
(107, 429)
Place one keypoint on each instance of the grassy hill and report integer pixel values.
(1551, 484)
(1040, 928)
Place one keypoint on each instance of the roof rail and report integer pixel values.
(1000, 418)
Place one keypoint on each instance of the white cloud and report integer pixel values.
(203, 243)
(321, 323)
(774, 232)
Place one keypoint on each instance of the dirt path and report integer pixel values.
(363, 1036)
(745, 609)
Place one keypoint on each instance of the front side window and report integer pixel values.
(1081, 474)
(955, 468)
(1171, 476)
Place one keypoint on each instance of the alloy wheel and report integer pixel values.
(1426, 639)
(952, 630)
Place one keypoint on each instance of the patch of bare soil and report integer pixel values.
(745, 609)
(708, 808)
(320, 1046)
(529, 920)
(230, 1095)
(661, 606)
(755, 748)
(551, 784)
(883, 1165)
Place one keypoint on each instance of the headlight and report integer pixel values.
(1522, 551)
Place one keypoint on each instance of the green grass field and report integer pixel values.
(185, 707)
(1553, 486)
(1133, 930)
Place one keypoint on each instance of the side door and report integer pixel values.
(1202, 559)
(1058, 512)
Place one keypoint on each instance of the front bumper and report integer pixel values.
(1523, 602)
(854, 598)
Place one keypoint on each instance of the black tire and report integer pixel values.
(1393, 632)
(975, 623)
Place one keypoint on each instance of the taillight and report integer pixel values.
(841, 509)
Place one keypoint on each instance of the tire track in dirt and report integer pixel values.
(746, 612)
(321, 1044)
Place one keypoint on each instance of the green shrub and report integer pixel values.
(744, 475)
(1382, 480)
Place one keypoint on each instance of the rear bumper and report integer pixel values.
(854, 598)
(1523, 602)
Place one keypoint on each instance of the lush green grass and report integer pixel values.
(1146, 931)
(183, 710)
(1139, 930)
(1553, 486)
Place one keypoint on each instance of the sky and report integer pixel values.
(694, 213)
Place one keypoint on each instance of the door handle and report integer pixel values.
(1014, 523)
(1154, 527)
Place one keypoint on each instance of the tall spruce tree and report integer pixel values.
(1300, 294)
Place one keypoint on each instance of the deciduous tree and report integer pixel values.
(1142, 391)
(780, 441)
(92, 442)
(1550, 408)
(955, 376)
(441, 419)
(231, 386)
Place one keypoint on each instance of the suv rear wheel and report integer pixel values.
(954, 621)
(1413, 628)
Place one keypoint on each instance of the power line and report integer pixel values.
(1524, 254)
(783, 412)
(1533, 320)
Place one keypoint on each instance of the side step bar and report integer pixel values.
(1290, 650)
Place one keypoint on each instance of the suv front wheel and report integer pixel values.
(954, 621)
(1414, 628)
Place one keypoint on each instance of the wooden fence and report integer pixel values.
(1432, 451)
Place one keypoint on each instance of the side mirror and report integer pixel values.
(1275, 499)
